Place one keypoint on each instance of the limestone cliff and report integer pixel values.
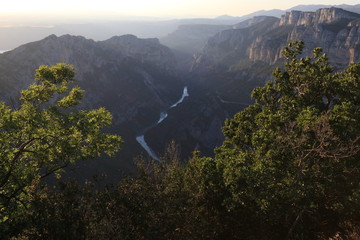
(333, 29)
(324, 15)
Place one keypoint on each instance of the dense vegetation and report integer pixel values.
(288, 168)
(43, 136)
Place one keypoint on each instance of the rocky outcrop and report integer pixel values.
(333, 29)
(324, 15)
(230, 45)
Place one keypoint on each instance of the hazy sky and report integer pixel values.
(155, 8)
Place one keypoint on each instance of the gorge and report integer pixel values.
(163, 115)
(226, 128)
(136, 79)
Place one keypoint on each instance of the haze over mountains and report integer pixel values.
(220, 61)
(18, 30)
(14, 35)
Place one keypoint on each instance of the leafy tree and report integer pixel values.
(293, 156)
(45, 134)
(145, 207)
(288, 169)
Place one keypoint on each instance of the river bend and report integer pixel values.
(163, 115)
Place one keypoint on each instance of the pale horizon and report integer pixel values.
(24, 21)
(110, 9)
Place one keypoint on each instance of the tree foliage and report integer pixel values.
(46, 134)
(288, 169)
(293, 156)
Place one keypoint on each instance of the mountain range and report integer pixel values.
(133, 78)
(20, 31)
(138, 79)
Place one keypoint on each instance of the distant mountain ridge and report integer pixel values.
(335, 30)
(303, 8)
(324, 15)
(191, 38)
(14, 36)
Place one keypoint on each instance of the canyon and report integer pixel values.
(138, 80)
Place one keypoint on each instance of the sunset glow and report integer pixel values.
(155, 8)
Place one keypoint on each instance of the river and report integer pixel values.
(163, 115)
(232, 102)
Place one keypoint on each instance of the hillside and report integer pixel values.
(133, 78)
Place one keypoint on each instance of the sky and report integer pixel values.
(153, 8)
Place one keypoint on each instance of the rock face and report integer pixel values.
(324, 15)
(231, 45)
(333, 29)
(133, 78)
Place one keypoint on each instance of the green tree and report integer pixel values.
(45, 134)
(293, 156)
(288, 169)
